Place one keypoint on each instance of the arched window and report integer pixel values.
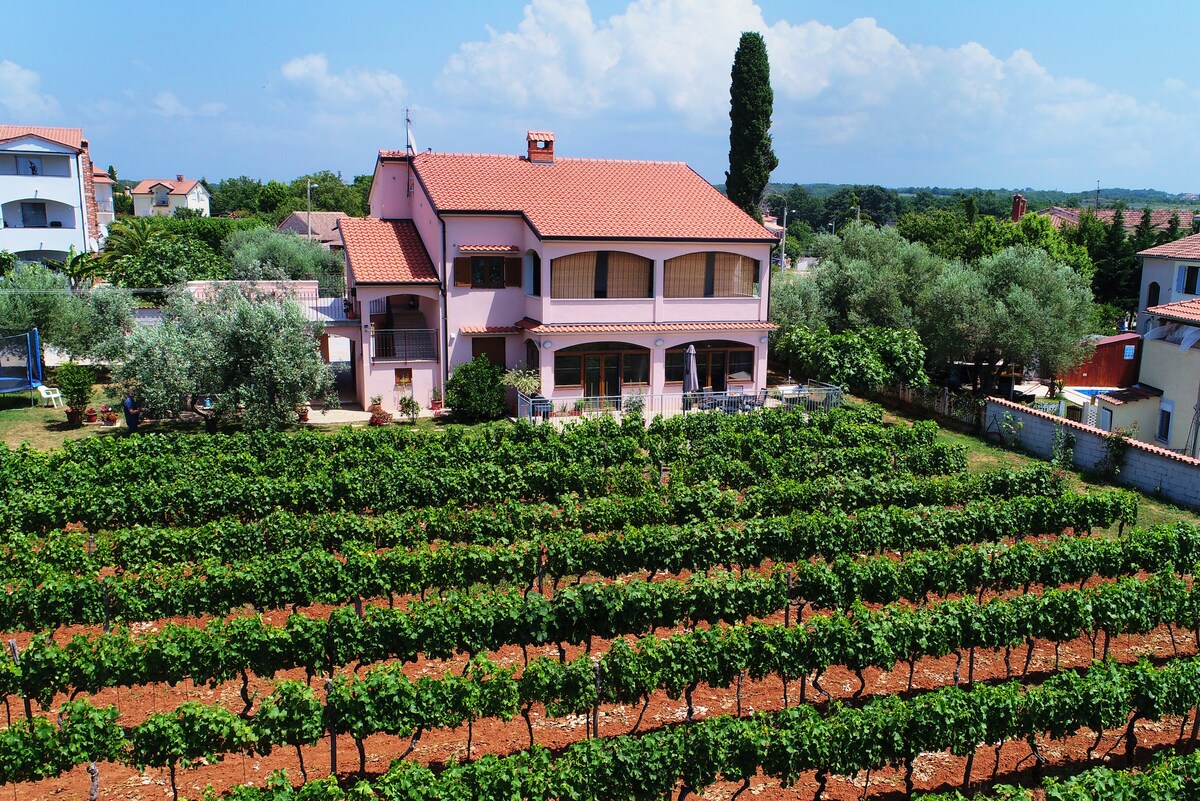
(1152, 294)
(717, 363)
(601, 274)
(602, 368)
(714, 274)
(533, 274)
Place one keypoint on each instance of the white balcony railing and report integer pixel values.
(813, 396)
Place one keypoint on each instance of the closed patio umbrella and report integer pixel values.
(691, 382)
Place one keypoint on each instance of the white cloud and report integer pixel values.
(168, 105)
(855, 87)
(20, 95)
(354, 86)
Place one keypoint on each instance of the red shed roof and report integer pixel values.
(588, 198)
(385, 252)
(1186, 248)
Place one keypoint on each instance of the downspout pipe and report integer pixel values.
(445, 313)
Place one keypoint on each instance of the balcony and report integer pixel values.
(404, 345)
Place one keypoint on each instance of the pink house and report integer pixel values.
(597, 273)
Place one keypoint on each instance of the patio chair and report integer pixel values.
(754, 400)
(51, 394)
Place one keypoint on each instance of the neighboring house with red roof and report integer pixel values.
(1160, 219)
(159, 197)
(596, 273)
(48, 193)
(1165, 403)
(320, 226)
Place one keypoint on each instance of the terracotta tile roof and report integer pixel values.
(101, 176)
(71, 137)
(534, 327)
(385, 252)
(468, 330)
(1186, 248)
(1138, 392)
(488, 249)
(392, 154)
(1160, 219)
(539, 136)
(1065, 423)
(1187, 311)
(174, 187)
(324, 224)
(588, 198)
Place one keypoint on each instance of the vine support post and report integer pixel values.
(332, 735)
(596, 706)
(16, 658)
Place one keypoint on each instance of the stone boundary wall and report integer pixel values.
(1153, 470)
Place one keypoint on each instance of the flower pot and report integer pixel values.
(435, 405)
(90, 416)
(75, 417)
(302, 414)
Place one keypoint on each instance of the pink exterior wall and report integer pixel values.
(469, 307)
(379, 377)
(389, 191)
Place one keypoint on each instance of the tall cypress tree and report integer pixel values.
(751, 158)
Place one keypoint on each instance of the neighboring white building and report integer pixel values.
(47, 192)
(1170, 273)
(104, 197)
(160, 197)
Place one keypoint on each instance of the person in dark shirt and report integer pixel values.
(133, 412)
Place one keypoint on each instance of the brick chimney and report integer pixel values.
(1018, 208)
(541, 147)
(179, 178)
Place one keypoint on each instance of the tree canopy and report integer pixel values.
(1018, 304)
(751, 159)
(256, 356)
(87, 324)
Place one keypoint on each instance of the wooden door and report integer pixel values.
(493, 348)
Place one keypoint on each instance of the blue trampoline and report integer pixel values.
(20, 363)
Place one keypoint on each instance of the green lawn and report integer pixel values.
(983, 456)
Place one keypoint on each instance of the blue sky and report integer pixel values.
(1012, 94)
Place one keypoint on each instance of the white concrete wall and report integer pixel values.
(1150, 469)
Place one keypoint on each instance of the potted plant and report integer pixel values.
(376, 403)
(75, 381)
(435, 400)
(302, 411)
(108, 416)
(580, 406)
(563, 410)
(90, 415)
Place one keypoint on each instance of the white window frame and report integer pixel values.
(1167, 406)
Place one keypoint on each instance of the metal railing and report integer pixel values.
(404, 345)
(812, 396)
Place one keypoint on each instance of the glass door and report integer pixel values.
(601, 375)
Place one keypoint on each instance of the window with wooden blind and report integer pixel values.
(714, 274)
(601, 274)
(487, 272)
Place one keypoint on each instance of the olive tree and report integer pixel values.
(239, 353)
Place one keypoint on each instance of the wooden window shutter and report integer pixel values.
(512, 271)
(462, 271)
